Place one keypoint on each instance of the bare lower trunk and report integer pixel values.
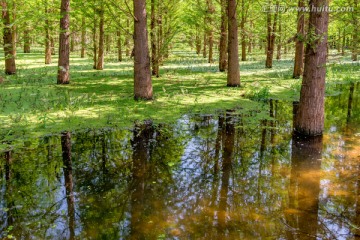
(10, 67)
(205, 45)
(223, 38)
(343, 43)
(278, 54)
(63, 76)
(94, 41)
(127, 41)
(142, 75)
(100, 62)
(233, 78)
(52, 44)
(310, 116)
(198, 41)
(242, 30)
(300, 38)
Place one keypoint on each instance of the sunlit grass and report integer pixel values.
(32, 105)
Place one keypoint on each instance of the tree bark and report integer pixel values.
(300, 38)
(119, 46)
(242, 29)
(233, 77)
(210, 12)
(95, 39)
(64, 48)
(100, 61)
(271, 31)
(355, 40)
(142, 75)
(27, 41)
(154, 42)
(83, 37)
(278, 54)
(198, 41)
(10, 67)
(310, 116)
(223, 38)
(127, 41)
(48, 57)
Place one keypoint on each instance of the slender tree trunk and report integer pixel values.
(300, 38)
(14, 27)
(242, 29)
(198, 41)
(278, 55)
(72, 42)
(127, 41)
(83, 37)
(205, 44)
(210, 14)
(233, 77)
(119, 46)
(100, 62)
(47, 35)
(10, 67)
(64, 48)
(154, 42)
(27, 41)
(343, 43)
(310, 116)
(142, 73)
(108, 43)
(52, 44)
(355, 42)
(95, 48)
(271, 28)
(223, 37)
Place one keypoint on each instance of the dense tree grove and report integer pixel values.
(96, 28)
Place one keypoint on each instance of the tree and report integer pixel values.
(142, 75)
(310, 115)
(271, 35)
(100, 61)
(10, 67)
(233, 77)
(223, 38)
(63, 76)
(300, 38)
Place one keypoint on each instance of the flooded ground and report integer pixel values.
(229, 176)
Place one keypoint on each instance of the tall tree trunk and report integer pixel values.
(233, 77)
(242, 29)
(300, 38)
(10, 67)
(210, 13)
(271, 31)
(278, 54)
(14, 27)
(223, 37)
(83, 37)
(27, 40)
(127, 41)
(142, 75)
(95, 39)
(355, 40)
(310, 116)
(343, 42)
(100, 62)
(52, 44)
(198, 41)
(64, 48)
(205, 44)
(119, 46)
(72, 42)
(47, 35)
(154, 42)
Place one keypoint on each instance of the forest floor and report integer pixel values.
(32, 105)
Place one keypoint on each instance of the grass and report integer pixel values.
(32, 105)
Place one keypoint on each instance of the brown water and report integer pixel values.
(231, 176)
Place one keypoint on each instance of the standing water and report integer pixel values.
(226, 176)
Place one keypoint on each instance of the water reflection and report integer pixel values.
(225, 176)
(304, 190)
